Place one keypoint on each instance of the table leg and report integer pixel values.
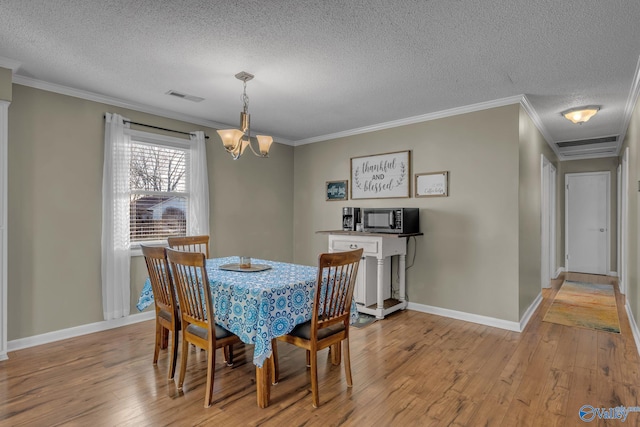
(380, 289)
(263, 385)
(275, 367)
(401, 270)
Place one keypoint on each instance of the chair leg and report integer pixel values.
(335, 354)
(183, 362)
(156, 349)
(227, 351)
(165, 338)
(211, 370)
(174, 354)
(275, 366)
(314, 378)
(347, 362)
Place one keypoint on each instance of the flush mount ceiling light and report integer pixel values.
(580, 115)
(236, 140)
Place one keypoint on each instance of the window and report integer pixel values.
(159, 184)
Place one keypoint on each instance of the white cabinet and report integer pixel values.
(366, 289)
(373, 284)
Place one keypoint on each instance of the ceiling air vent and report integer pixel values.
(577, 143)
(591, 153)
(185, 96)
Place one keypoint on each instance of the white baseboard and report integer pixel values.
(559, 271)
(467, 317)
(634, 326)
(530, 311)
(77, 331)
(613, 274)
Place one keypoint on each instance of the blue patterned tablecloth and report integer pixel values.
(258, 306)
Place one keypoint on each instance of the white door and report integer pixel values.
(587, 222)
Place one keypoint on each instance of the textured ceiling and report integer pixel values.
(331, 67)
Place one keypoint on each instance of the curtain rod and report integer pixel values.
(159, 128)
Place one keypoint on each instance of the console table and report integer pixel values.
(373, 285)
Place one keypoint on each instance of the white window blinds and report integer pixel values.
(159, 185)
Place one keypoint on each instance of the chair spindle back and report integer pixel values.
(336, 281)
(190, 244)
(192, 284)
(160, 277)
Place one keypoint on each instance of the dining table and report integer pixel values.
(258, 304)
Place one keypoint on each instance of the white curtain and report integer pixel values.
(116, 258)
(199, 197)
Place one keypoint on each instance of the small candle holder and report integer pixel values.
(245, 262)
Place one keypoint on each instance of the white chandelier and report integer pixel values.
(236, 140)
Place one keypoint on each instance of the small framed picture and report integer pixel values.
(337, 190)
(434, 184)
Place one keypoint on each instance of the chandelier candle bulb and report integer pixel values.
(264, 142)
(229, 138)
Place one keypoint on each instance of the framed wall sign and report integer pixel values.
(381, 176)
(434, 184)
(337, 190)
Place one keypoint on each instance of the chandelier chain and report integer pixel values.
(245, 98)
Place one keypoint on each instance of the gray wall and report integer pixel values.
(55, 184)
(532, 147)
(480, 252)
(467, 259)
(5, 84)
(632, 140)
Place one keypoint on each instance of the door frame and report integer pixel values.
(4, 142)
(607, 174)
(548, 174)
(623, 221)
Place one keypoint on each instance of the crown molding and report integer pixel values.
(116, 102)
(535, 118)
(631, 103)
(9, 64)
(415, 119)
(634, 94)
(103, 99)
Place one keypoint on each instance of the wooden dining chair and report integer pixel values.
(197, 315)
(164, 296)
(329, 324)
(190, 244)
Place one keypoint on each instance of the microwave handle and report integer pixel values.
(392, 222)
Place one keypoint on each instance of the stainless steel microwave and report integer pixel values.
(391, 220)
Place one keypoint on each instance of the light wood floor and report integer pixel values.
(409, 369)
